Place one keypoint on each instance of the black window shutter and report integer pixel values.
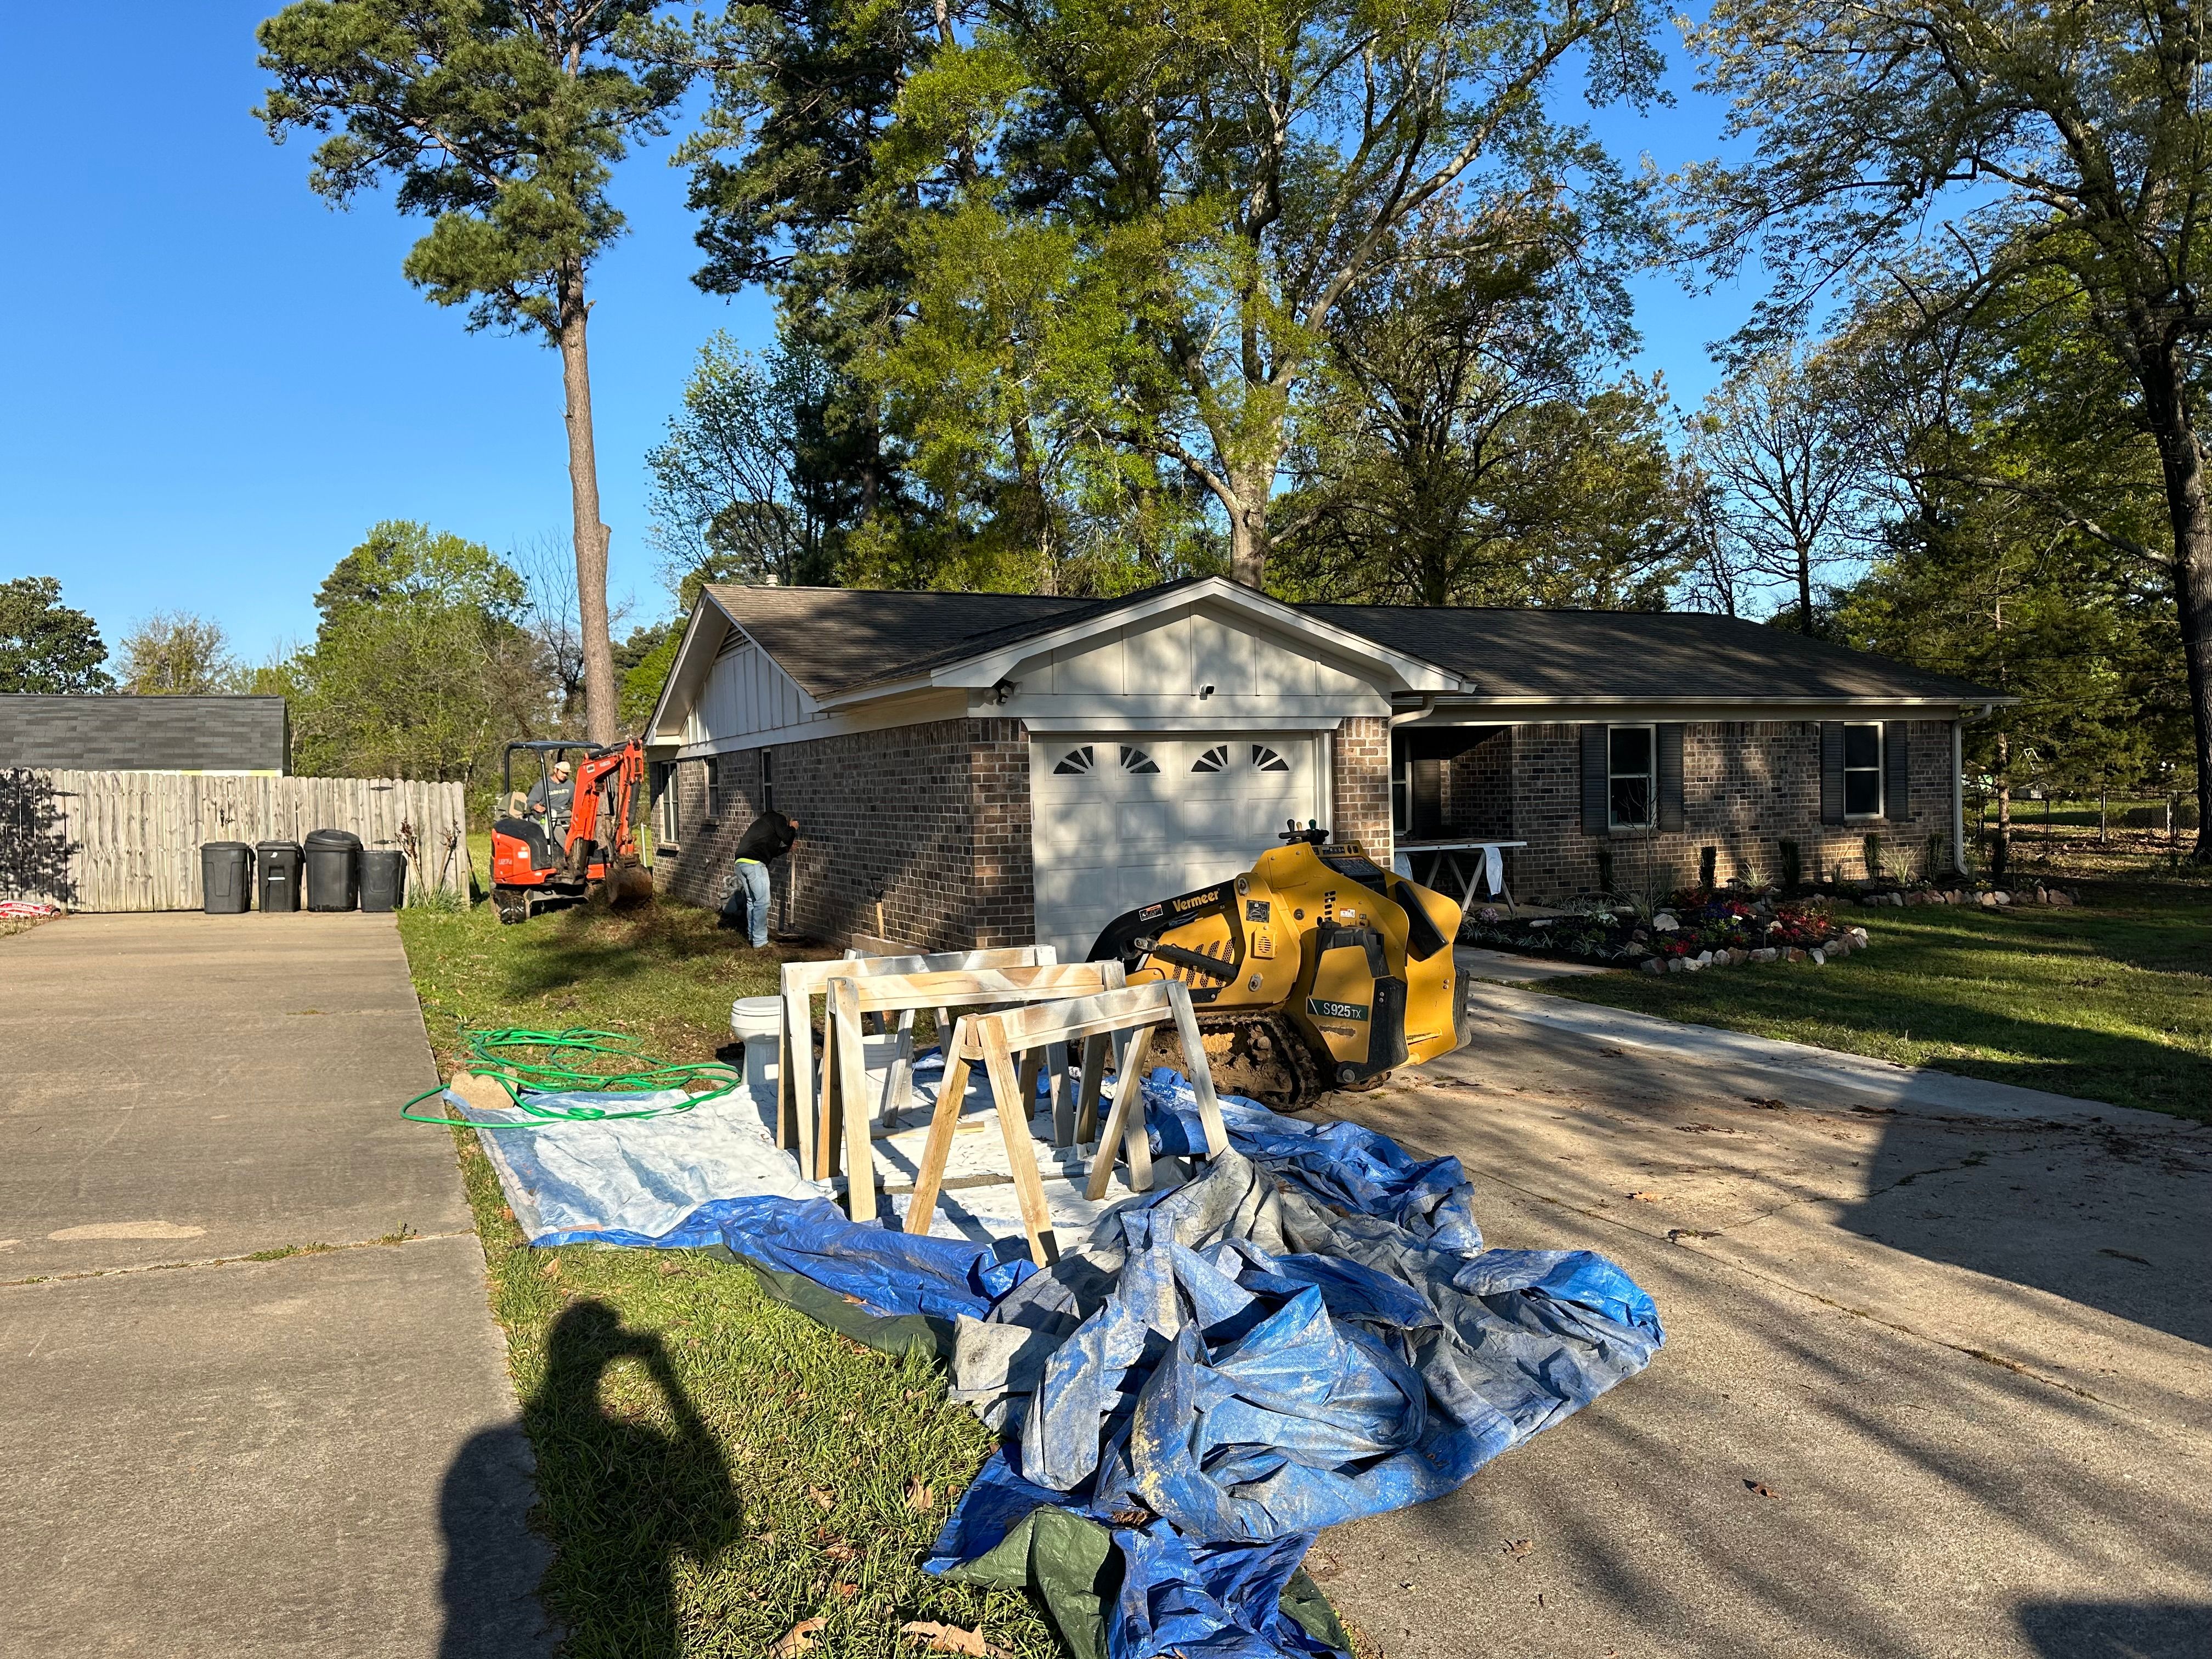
(1897, 764)
(1832, 771)
(1594, 779)
(1670, 775)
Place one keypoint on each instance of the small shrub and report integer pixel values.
(1708, 861)
(1936, 858)
(1792, 858)
(1604, 868)
(1870, 849)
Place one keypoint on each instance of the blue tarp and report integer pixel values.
(1309, 1331)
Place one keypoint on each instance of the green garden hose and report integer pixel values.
(526, 1078)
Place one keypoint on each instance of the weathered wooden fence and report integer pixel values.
(130, 841)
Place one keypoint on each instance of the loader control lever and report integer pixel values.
(1312, 834)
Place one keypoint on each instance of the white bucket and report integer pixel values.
(754, 1021)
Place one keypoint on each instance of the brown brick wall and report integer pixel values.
(1478, 788)
(934, 817)
(1359, 781)
(1745, 787)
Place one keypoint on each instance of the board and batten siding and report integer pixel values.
(130, 841)
(745, 692)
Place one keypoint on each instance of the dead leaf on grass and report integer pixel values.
(1645, 1197)
(950, 1638)
(1762, 1488)
(799, 1638)
(842, 1551)
(551, 1269)
(669, 1269)
(920, 1499)
(844, 1592)
(823, 1496)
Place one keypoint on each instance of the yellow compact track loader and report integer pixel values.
(1314, 969)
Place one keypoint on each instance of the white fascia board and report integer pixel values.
(908, 710)
(1539, 711)
(693, 657)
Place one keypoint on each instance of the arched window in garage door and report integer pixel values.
(1076, 761)
(1267, 760)
(1215, 759)
(1136, 761)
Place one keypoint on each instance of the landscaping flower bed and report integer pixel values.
(1692, 930)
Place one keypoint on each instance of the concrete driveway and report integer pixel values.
(1937, 1380)
(204, 1454)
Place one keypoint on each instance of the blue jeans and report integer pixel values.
(752, 884)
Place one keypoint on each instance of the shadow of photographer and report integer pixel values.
(622, 1495)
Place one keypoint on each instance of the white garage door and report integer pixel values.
(1119, 820)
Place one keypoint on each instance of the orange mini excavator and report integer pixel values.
(570, 853)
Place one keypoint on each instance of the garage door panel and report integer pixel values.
(1111, 841)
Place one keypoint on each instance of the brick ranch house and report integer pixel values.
(991, 768)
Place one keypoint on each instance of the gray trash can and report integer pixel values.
(333, 859)
(226, 877)
(276, 884)
(383, 878)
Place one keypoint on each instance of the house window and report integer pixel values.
(1863, 770)
(1630, 791)
(767, 781)
(666, 830)
(713, 776)
(1401, 795)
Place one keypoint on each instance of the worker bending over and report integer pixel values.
(767, 839)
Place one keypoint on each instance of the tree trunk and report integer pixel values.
(1805, 591)
(591, 536)
(2164, 382)
(1247, 527)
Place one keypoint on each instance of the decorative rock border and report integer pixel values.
(1988, 898)
(1837, 944)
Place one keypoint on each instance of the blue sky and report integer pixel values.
(213, 383)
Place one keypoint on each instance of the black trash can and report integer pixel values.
(383, 878)
(278, 884)
(333, 860)
(226, 877)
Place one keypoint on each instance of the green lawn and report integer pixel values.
(2111, 1000)
(713, 1467)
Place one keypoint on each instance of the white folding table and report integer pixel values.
(1486, 870)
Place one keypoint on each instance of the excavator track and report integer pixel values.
(1261, 1056)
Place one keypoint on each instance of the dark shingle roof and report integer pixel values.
(120, 733)
(1635, 655)
(833, 639)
